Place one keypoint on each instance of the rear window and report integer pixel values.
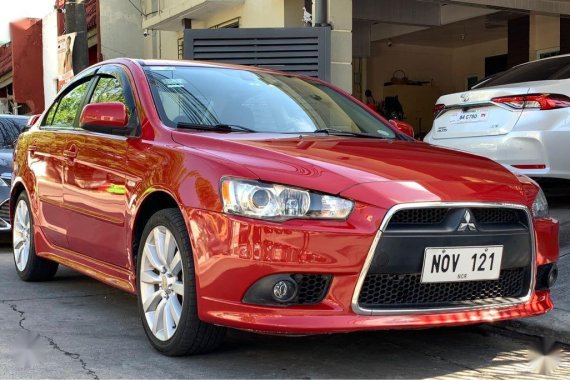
(546, 69)
(10, 129)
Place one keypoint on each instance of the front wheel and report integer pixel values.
(29, 266)
(167, 289)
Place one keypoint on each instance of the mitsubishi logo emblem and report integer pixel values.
(466, 223)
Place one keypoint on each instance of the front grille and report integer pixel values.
(435, 216)
(499, 216)
(407, 290)
(419, 216)
(393, 280)
(5, 211)
(312, 288)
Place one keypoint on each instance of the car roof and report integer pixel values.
(544, 59)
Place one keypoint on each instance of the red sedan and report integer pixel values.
(225, 196)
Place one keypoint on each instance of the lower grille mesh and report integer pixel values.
(312, 288)
(407, 290)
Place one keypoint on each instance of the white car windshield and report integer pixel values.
(256, 101)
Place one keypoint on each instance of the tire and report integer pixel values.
(28, 265)
(166, 287)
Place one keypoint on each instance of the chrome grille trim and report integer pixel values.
(490, 305)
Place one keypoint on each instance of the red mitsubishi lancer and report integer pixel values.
(227, 196)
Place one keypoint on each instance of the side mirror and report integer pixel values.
(403, 127)
(109, 117)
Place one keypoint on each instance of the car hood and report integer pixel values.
(375, 171)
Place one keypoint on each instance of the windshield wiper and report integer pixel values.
(339, 132)
(215, 127)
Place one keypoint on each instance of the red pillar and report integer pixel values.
(27, 63)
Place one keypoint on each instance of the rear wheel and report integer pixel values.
(167, 289)
(29, 266)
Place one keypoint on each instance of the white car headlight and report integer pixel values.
(256, 199)
(540, 206)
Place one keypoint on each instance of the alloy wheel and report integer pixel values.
(161, 283)
(21, 235)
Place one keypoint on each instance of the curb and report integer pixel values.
(535, 328)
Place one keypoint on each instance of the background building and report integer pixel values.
(414, 49)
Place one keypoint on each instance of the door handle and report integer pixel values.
(32, 150)
(71, 154)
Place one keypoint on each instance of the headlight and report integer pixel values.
(3, 183)
(540, 206)
(267, 201)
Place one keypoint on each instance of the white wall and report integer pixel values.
(446, 68)
(121, 30)
(544, 34)
(49, 51)
(470, 60)
(423, 63)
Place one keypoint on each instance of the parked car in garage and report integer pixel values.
(229, 196)
(10, 128)
(519, 118)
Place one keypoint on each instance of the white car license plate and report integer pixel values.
(471, 116)
(462, 264)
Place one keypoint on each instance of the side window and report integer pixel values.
(108, 89)
(49, 117)
(113, 86)
(69, 106)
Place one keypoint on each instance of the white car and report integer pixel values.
(520, 118)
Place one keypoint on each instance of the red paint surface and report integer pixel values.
(403, 127)
(105, 114)
(87, 227)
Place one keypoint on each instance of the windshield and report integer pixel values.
(258, 101)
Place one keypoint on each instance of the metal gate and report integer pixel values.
(297, 50)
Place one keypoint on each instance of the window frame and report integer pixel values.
(44, 123)
(83, 77)
(117, 72)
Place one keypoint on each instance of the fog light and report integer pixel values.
(546, 276)
(284, 290)
(552, 275)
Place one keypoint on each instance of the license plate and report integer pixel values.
(469, 116)
(462, 264)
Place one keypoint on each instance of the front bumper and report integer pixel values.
(232, 253)
(304, 321)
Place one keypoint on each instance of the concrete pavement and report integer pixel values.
(75, 327)
(89, 330)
